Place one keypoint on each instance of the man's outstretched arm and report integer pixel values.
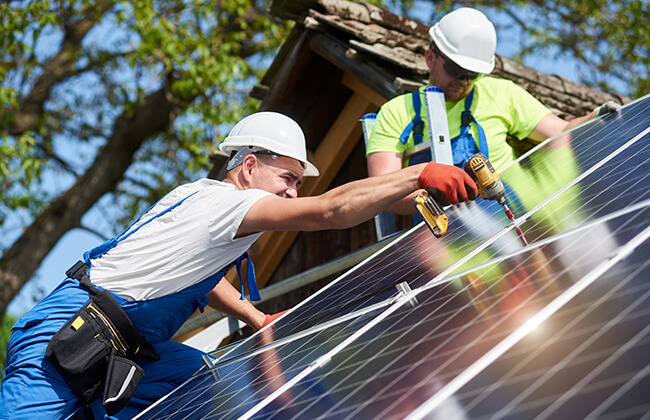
(380, 163)
(355, 202)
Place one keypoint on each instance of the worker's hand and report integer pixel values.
(270, 318)
(606, 108)
(454, 183)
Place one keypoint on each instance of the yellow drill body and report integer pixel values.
(487, 180)
(489, 185)
(432, 213)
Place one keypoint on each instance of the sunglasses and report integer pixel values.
(456, 71)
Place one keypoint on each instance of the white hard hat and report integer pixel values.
(466, 37)
(270, 131)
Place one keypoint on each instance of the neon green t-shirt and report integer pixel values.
(499, 105)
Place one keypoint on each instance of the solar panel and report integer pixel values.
(595, 364)
(259, 373)
(413, 352)
(491, 329)
(418, 257)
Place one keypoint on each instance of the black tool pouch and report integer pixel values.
(122, 378)
(80, 351)
(91, 350)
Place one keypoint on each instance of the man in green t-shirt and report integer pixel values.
(460, 55)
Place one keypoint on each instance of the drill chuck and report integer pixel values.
(490, 185)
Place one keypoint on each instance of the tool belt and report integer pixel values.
(95, 350)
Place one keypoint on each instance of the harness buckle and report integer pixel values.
(418, 127)
(77, 271)
(465, 118)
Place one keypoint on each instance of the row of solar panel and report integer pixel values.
(492, 329)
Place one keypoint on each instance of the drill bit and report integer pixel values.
(511, 216)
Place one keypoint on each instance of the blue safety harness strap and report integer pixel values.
(250, 277)
(416, 126)
(466, 117)
(463, 145)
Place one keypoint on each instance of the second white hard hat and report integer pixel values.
(270, 131)
(466, 37)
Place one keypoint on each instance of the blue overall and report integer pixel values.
(462, 146)
(33, 388)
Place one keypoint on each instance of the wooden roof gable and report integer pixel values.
(341, 60)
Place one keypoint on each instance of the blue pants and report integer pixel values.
(33, 388)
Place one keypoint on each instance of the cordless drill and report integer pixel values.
(428, 206)
(490, 187)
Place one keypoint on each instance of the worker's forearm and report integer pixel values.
(577, 121)
(358, 201)
(404, 206)
(225, 298)
(340, 208)
(380, 163)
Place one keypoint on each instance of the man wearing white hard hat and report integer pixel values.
(138, 288)
(482, 111)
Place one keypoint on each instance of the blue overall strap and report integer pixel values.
(465, 118)
(250, 277)
(416, 125)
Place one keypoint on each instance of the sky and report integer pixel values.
(72, 246)
(67, 251)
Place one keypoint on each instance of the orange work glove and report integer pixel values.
(270, 318)
(453, 183)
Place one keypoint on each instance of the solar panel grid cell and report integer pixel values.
(594, 347)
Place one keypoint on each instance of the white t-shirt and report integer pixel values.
(181, 247)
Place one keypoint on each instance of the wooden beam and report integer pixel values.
(332, 152)
(339, 52)
(356, 85)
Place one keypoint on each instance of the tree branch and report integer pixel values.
(60, 67)
(94, 232)
(153, 115)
